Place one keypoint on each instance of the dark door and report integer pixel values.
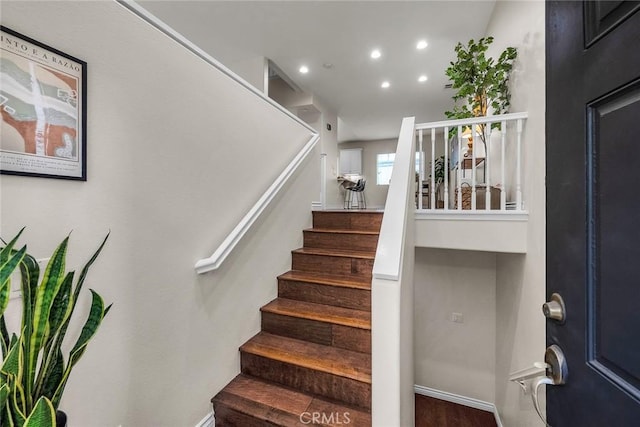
(593, 209)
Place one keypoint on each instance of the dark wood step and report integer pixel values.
(348, 220)
(332, 373)
(335, 261)
(248, 401)
(318, 323)
(356, 240)
(320, 288)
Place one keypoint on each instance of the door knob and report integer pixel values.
(555, 308)
(557, 372)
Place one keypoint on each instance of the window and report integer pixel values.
(384, 167)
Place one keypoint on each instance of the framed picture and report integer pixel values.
(43, 102)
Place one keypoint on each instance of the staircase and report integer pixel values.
(311, 363)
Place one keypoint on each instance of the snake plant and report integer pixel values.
(34, 371)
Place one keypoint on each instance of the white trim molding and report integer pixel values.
(460, 400)
(208, 421)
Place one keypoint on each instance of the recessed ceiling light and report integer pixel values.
(385, 84)
(422, 78)
(304, 69)
(422, 44)
(327, 65)
(375, 54)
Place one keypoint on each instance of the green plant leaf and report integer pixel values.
(78, 288)
(4, 338)
(30, 271)
(60, 308)
(96, 314)
(12, 364)
(60, 311)
(43, 414)
(54, 375)
(6, 251)
(51, 282)
(4, 394)
(17, 404)
(6, 270)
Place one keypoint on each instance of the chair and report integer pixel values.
(358, 189)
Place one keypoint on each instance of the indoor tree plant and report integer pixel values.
(481, 81)
(34, 372)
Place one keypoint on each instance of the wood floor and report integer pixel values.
(432, 412)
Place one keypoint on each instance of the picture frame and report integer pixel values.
(43, 103)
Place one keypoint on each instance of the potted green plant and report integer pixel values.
(34, 371)
(481, 82)
(439, 170)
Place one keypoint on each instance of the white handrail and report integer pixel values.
(472, 120)
(225, 248)
(388, 262)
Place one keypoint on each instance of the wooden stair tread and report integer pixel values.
(320, 312)
(336, 253)
(327, 279)
(331, 360)
(279, 404)
(342, 231)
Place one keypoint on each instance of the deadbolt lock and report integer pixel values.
(555, 309)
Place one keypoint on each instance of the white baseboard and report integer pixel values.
(207, 421)
(460, 400)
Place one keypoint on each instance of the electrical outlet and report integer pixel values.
(457, 317)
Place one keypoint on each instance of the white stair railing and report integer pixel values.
(461, 191)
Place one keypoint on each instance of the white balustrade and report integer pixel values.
(492, 169)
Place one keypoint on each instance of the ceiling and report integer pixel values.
(342, 33)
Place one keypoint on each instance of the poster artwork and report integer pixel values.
(43, 108)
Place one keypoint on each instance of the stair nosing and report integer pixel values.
(358, 323)
(338, 253)
(288, 357)
(327, 279)
(277, 386)
(341, 231)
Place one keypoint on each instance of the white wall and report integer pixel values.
(454, 357)
(320, 116)
(169, 175)
(376, 194)
(520, 325)
(254, 70)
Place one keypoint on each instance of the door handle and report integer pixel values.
(556, 374)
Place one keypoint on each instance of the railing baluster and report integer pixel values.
(460, 163)
(492, 177)
(503, 184)
(518, 167)
(446, 168)
(487, 166)
(421, 170)
(473, 167)
(432, 185)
